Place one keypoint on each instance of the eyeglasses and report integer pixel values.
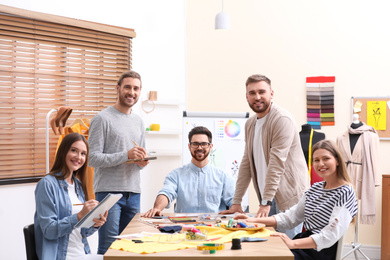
(196, 144)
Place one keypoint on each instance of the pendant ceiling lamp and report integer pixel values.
(222, 20)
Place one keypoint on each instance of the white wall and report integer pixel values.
(158, 55)
(289, 41)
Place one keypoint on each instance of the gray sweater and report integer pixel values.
(110, 137)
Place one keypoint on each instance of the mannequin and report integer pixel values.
(360, 148)
(353, 138)
(304, 134)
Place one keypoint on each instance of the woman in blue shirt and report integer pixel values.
(56, 195)
(326, 209)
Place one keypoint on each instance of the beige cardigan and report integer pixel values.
(287, 175)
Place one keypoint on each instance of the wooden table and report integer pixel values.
(274, 249)
(385, 241)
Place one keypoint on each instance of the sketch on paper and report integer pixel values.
(376, 114)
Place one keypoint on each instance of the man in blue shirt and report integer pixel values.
(198, 187)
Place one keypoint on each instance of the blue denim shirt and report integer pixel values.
(199, 190)
(53, 219)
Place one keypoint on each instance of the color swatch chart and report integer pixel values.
(320, 101)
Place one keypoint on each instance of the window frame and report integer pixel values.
(48, 61)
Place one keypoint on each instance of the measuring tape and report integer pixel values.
(211, 246)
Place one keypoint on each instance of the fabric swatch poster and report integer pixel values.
(320, 101)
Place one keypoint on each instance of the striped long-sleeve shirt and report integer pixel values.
(326, 213)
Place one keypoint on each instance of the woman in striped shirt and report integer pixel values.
(326, 209)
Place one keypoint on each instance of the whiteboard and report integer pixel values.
(228, 130)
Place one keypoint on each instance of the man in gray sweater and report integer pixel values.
(116, 135)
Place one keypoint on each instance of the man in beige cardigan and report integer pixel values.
(273, 156)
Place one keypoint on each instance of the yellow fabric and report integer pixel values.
(160, 243)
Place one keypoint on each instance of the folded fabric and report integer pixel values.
(316, 126)
(312, 98)
(327, 88)
(327, 85)
(170, 229)
(315, 119)
(327, 119)
(328, 123)
(329, 110)
(313, 85)
(313, 114)
(327, 102)
(309, 88)
(314, 111)
(327, 106)
(326, 93)
(327, 115)
(329, 97)
(313, 93)
(313, 106)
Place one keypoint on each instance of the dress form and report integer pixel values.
(353, 138)
(304, 135)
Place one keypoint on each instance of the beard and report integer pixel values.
(199, 155)
(258, 109)
(124, 102)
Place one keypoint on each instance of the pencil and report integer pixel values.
(134, 142)
(78, 204)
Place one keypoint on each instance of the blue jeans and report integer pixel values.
(118, 217)
(291, 233)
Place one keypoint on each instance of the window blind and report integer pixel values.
(45, 65)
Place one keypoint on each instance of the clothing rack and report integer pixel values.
(47, 130)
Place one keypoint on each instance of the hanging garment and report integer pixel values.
(362, 166)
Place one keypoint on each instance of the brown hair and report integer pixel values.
(200, 130)
(60, 165)
(331, 147)
(129, 74)
(257, 78)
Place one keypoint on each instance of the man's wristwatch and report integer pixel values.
(266, 203)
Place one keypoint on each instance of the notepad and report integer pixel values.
(105, 204)
(144, 159)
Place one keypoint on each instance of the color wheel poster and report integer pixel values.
(229, 129)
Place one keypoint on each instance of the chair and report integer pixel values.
(29, 239)
(340, 245)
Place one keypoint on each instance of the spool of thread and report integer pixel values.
(242, 225)
(230, 223)
(209, 252)
(236, 243)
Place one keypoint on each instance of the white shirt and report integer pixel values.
(75, 245)
(258, 155)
